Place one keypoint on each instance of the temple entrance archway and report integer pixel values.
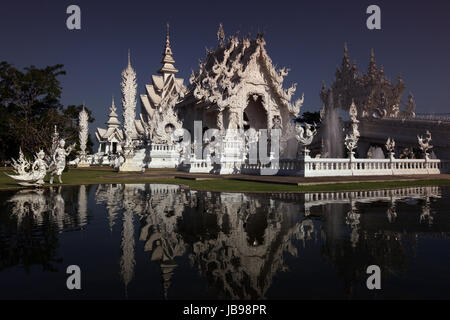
(255, 115)
(114, 147)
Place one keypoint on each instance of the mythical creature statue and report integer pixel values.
(26, 178)
(425, 143)
(351, 140)
(304, 136)
(276, 123)
(21, 165)
(58, 160)
(390, 145)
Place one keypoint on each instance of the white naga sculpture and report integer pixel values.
(26, 177)
(425, 143)
(304, 137)
(58, 157)
(351, 140)
(21, 165)
(83, 119)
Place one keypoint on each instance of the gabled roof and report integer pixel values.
(165, 90)
(154, 97)
(108, 134)
(158, 82)
(224, 69)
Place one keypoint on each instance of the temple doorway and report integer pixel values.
(114, 147)
(255, 116)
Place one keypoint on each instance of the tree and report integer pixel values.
(310, 118)
(30, 108)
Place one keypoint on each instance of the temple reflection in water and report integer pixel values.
(239, 243)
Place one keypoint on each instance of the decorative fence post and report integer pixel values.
(390, 146)
(351, 140)
(425, 146)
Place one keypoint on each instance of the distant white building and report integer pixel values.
(110, 140)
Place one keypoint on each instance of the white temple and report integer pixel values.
(110, 140)
(159, 120)
(236, 117)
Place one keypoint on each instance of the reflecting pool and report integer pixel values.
(153, 241)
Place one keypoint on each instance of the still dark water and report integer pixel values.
(164, 242)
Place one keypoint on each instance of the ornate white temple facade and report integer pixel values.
(236, 116)
(158, 119)
(237, 87)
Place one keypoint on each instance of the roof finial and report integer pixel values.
(221, 35)
(167, 33)
(129, 58)
(168, 60)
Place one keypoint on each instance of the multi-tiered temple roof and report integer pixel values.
(158, 118)
(113, 132)
(165, 88)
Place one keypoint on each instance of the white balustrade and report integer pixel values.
(324, 167)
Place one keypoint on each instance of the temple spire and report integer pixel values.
(372, 70)
(167, 60)
(221, 35)
(129, 89)
(113, 120)
(346, 59)
(113, 105)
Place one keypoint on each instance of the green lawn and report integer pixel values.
(107, 175)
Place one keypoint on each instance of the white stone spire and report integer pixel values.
(129, 90)
(83, 119)
(167, 60)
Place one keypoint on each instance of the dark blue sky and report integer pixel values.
(305, 36)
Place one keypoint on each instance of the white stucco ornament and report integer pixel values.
(351, 139)
(304, 136)
(58, 156)
(241, 70)
(425, 143)
(28, 174)
(129, 90)
(390, 145)
(83, 120)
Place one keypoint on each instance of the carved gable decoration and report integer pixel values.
(238, 69)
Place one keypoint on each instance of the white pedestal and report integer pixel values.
(83, 165)
(133, 161)
(130, 166)
(163, 156)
